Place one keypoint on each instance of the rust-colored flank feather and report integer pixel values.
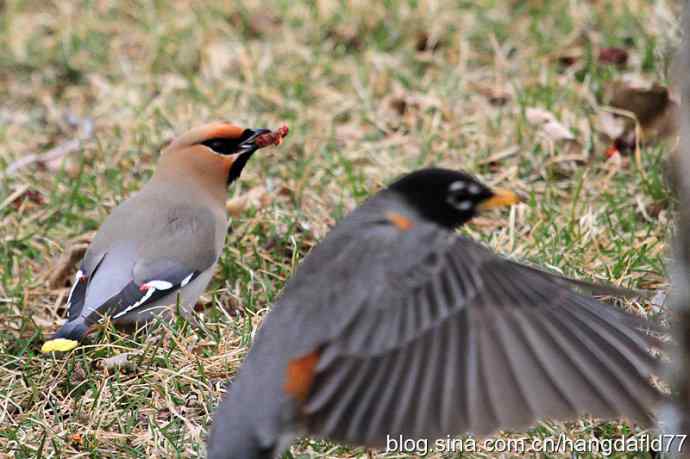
(299, 375)
(403, 223)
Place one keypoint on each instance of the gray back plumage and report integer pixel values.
(155, 234)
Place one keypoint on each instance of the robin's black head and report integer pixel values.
(449, 198)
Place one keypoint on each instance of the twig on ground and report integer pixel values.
(64, 149)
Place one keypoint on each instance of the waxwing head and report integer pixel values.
(449, 198)
(216, 152)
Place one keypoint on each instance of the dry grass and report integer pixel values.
(369, 92)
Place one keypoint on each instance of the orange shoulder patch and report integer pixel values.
(299, 375)
(402, 222)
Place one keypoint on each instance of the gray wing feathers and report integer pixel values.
(592, 288)
(481, 345)
(144, 240)
(113, 275)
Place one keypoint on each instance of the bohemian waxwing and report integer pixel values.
(159, 247)
(396, 325)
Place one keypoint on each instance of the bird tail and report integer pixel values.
(67, 338)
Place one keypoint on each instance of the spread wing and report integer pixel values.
(450, 338)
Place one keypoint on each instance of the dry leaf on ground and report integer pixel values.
(554, 129)
(257, 197)
(651, 104)
(613, 56)
(60, 271)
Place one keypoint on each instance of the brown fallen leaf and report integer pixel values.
(427, 42)
(348, 36)
(567, 61)
(655, 208)
(232, 306)
(257, 197)
(31, 196)
(497, 96)
(399, 105)
(640, 112)
(613, 56)
(652, 106)
(255, 25)
(60, 271)
(645, 103)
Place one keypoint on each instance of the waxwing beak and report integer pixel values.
(250, 145)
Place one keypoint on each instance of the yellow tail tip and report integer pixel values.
(59, 345)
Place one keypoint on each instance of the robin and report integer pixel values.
(162, 243)
(396, 325)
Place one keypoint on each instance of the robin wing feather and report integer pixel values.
(592, 288)
(464, 340)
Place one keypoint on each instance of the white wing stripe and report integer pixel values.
(186, 280)
(158, 285)
(150, 291)
(77, 279)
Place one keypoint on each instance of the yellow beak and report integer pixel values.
(500, 198)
